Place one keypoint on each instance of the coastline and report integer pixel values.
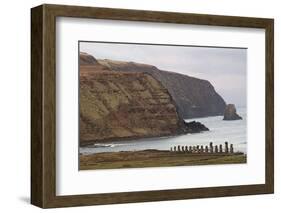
(155, 158)
(194, 128)
(128, 139)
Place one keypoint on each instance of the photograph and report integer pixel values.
(140, 105)
(160, 105)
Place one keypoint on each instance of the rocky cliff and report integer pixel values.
(194, 97)
(123, 105)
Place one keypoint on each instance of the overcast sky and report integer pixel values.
(225, 68)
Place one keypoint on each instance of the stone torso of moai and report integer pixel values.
(211, 147)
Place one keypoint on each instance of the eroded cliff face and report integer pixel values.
(123, 105)
(194, 97)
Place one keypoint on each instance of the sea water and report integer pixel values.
(234, 132)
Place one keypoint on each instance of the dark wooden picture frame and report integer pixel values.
(43, 105)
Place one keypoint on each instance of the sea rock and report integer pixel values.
(230, 113)
(195, 127)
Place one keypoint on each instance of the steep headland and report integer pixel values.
(127, 100)
(123, 105)
(194, 97)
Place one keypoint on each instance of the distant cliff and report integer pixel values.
(194, 97)
(123, 105)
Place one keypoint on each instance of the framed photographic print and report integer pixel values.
(137, 106)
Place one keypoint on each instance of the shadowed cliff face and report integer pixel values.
(123, 105)
(194, 97)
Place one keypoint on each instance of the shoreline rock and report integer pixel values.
(195, 127)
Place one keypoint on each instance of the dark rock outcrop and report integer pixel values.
(195, 127)
(194, 97)
(230, 113)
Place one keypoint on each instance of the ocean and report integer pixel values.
(234, 132)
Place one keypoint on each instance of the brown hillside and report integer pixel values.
(124, 105)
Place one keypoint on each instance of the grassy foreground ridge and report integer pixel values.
(155, 158)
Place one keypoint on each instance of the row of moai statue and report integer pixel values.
(201, 149)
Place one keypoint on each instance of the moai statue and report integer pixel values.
(197, 149)
(226, 147)
(182, 148)
(175, 148)
(206, 149)
(216, 148)
(211, 147)
(190, 149)
(220, 148)
(179, 148)
(186, 149)
(231, 148)
(171, 149)
(194, 149)
(201, 149)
